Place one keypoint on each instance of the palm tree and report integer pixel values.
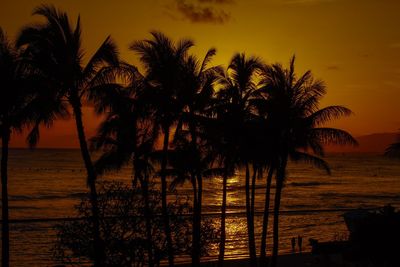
(258, 154)
(125, 136)
(56, 50)
(163, 60)
(13, 99)
(263, 247)
(192, 164)
(236, 112)
(21, 106)
(262, 156)
(198, 83)
(296, 125)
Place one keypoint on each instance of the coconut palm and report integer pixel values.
(257, 151)
(55, 48)
(263, 157)
(263, 246)
(13, 100)
(125, 137)
(198, 89)
(296, 125)
(21, 106)
(235, 111)
(193, 164)
(162, 60)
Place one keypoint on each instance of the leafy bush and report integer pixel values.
(123, 228)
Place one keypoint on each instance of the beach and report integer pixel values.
(287, 260)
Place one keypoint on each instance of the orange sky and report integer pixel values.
(353, 45)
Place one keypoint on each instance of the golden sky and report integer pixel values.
(353, 45)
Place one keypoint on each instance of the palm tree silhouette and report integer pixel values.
(235, 110)
(186, 160)
(21, 107)
(13, 100)
(198, 83)
(56, 50)
(126, 136)
(257, 150)
(162, 60)
(263, 159)
(295, 125)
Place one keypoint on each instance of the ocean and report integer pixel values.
(47, 183)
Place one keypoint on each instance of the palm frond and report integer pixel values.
(111, 160)
(310, 159)
(33, 136)
(328, 114)
(182, 47)
(333, 136)
(207, 58)
(106, 54)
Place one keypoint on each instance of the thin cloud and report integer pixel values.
(391, 83)
(333, 67)
(354, 86)
(306, 2)
(395, 45)
(204, 11)
(217, 1)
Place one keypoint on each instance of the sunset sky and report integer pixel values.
(353, 45)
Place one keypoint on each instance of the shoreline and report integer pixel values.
(306, 259)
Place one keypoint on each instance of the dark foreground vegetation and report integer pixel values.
(123, 229)
(180, 120)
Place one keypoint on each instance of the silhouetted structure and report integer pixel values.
(374, 236)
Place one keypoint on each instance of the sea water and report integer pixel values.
(47, 183)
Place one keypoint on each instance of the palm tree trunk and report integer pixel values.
(199, 210)
(197, 194)
(5, 237)
(250, 223)
(98, 245)
(167, 226)
(263, 253)
(195, 241)
(252, 203)
(223, 217)
(147, 213)
(278, 193)
(253, 192)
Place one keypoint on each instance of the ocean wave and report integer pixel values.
(12, 207)
(299, 206)
(38, 197)
(306, 184)
(311, 183)
(77, 195)
(48, 170)
(360, 196)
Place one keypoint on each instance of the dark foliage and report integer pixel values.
(122, 227)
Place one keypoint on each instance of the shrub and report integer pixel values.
(123, 228)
